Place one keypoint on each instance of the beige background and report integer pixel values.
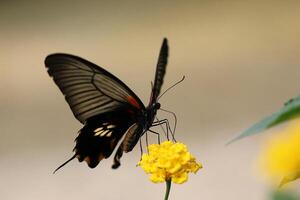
(240, 58)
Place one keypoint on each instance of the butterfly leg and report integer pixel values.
(147, 143)
(158, 123)
(168, 128)
(158, 137)
(141, 151)
(141, 148)
(175, 118)
(166, 122)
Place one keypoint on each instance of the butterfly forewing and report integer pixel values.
(160, 69)
(89, 89)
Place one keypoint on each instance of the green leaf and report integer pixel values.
(290, 110)
(280, 195)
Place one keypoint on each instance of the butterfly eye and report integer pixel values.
(157, 106)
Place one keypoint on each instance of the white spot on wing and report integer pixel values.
(104, 133)
(98, 129)
(101, 132)
(108, 134)
(98, 133)
(111, 126)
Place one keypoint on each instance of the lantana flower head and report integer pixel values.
(169, 161)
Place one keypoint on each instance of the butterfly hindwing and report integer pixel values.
(100, 135)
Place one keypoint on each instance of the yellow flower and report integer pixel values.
(169, 161)
(281, 159)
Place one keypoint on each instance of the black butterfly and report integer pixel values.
(105, 105)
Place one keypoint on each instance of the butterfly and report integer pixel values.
(108, 109)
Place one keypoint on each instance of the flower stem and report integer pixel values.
(168, 187)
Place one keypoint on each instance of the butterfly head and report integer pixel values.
(151, 110)
(156, 106)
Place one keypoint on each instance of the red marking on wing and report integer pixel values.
(133, 102)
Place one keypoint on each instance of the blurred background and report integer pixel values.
(241, 62)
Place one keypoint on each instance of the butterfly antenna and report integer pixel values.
(171, 87)
(65, 163)
(175, 118)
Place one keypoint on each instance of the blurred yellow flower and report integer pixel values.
(281, 159)
(169, 162)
